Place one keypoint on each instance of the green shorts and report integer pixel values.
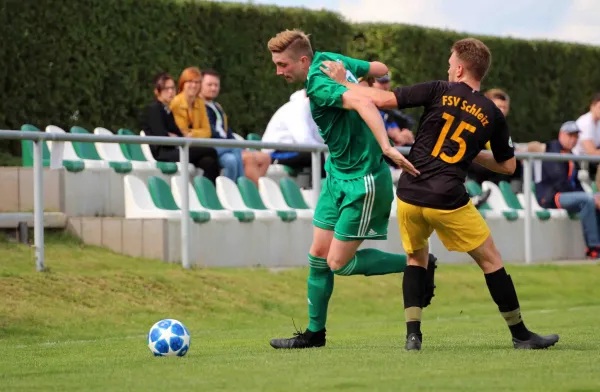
(356, 209)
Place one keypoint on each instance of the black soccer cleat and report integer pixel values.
(430, 285)
(306, 339)
(413, 342)
(535, 342)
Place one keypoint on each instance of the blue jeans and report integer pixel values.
(231, 161)
(584, 204)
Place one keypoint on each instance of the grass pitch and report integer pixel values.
(82, 327)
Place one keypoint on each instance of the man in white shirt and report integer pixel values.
(293, 123)
(589, 138)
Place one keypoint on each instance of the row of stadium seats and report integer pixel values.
(503, 202)
(122, 158)
(245, 202)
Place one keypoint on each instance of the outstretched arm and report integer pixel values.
(377, 69)
(382, 99)
(370, 115)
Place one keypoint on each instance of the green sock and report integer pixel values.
(320, 287)
(373, 262)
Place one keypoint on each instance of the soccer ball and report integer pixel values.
(169, 338)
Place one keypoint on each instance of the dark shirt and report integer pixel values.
(455, 126)
(157, 120)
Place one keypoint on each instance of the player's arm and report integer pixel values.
(370, 114)
(377, 69)
(502, 159)
(326, 93)
(422, 94)
(367, 110)
(337, 72)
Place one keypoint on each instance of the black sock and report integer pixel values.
(504, 295)
(413, 289)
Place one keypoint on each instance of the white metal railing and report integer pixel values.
(185, 143)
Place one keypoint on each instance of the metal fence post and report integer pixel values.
(38, 203)
(316, 176)
(184, 160)
(527, 178)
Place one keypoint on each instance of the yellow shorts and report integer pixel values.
(461, 230)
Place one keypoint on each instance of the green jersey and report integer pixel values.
(353, 150)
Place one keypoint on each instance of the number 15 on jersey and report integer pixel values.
(456, 137)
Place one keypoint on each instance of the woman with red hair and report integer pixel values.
(188, 109)
(158, 120)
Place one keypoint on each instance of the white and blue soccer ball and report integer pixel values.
(168, 338)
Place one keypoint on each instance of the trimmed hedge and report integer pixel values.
(90, 62)
(548, 82)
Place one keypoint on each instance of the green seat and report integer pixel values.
(594, 187)
(86, 150)
(207, 196)
(27, 148)
(133, 152)
(513, 201)
(27, 153)
(253, 200)
(255, 137)
(474, 189)
(163, 198)
(292, 194)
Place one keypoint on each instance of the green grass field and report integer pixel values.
(82, 327)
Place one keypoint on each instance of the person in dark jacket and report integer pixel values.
(560, 188)
(235, 161)
(157, 120)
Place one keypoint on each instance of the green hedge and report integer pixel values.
(548, 82)
(90, 62)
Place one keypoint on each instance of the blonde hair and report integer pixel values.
(476, 56)
(295, 41)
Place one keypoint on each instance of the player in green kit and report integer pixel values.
(355, 201)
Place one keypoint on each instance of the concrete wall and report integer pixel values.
(555, 239)
(87, 193)
(280, 244)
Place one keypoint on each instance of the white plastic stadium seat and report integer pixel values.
(194, 203)
(309, 197)
(535, 206)
(69, 153)
(112, 152)
(150, 158)
(139, 204)
(238, 137)
(271, 195)
(231, 199)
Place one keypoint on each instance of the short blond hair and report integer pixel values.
(293, 40)
(476, 56)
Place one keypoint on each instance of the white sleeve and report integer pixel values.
(586, 125)
(299, 124)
